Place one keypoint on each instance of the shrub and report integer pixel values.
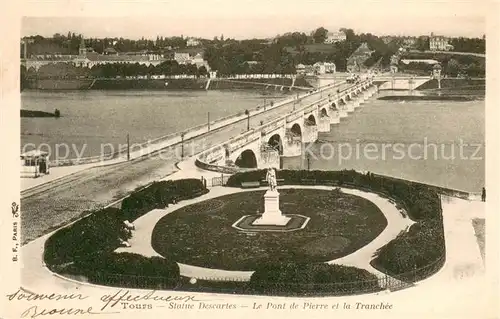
(130, 270)
(159, 195)
(312, 278)
(86, 247)
(413, 255)
(97, 232)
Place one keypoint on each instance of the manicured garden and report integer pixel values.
(289, 263)
(412, 256)
(202, 234)
(86, 248)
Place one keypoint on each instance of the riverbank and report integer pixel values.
(456, 98)
(454, 83)
(166, 84)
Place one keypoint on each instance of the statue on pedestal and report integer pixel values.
(271, 179)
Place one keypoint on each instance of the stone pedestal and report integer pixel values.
(272, 214)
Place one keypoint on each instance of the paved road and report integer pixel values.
(67, 199)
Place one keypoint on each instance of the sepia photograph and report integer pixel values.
(301, 158)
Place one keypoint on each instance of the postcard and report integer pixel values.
(250, 159)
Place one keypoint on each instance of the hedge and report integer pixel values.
(296, 278)
(86, 247)
(159, 195)
(130, 270)
(411, 256)
(98, 232)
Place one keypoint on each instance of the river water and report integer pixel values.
(437, 142)
(91, 119)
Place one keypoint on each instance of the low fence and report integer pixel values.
(239, 285)
(222, 169)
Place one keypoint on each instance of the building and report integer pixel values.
(356, 61)
(186, 58)
(408, 42)
(182, 57)
(34, 163)
(88, 58)
(324, 67)
(439, 43)
(333, 37)
(192, 42)
(110, 51)
(300, 69)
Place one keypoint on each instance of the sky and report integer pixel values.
(252, 18)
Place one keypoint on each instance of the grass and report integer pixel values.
(201, 234)
(479, 230)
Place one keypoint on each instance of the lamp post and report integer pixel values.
(182, 145)
(308, 158)
(128, 147)
(208, 121)
(247, 113)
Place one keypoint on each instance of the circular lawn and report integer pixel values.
(202, 235)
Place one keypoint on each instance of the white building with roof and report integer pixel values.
(192, 42)
(439, 43)
(333, 37)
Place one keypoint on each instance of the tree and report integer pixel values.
(453, 68)
(320, 35)
(202, 71)
(422, 44)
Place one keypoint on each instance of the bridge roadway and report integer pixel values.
(52, 205)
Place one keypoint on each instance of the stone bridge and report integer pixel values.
(265, 145)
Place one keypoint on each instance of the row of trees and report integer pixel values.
(234, 57)
(70, 44)
(475, 45)
(452, 65)
(290, 49)
(65, 70)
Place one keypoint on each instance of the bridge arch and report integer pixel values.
(246, 159)
(276, 142)
(323, 112)
(311, 120)
(296, 130)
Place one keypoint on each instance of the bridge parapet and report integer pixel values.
(294, 116)
(310, 108)
(272, 126)
(247, 138)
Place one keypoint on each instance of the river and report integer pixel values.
(436, 142)
(91, 119)
(385, 137)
